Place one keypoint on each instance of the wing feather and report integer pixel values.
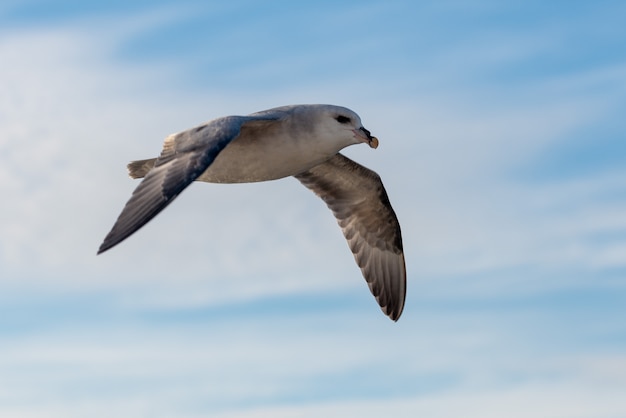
(360, 203)
(185, 156)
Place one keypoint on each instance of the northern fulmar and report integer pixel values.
(298, 140)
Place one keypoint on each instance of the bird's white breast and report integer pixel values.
(252, 158)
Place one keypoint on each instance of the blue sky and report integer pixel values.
(502, 150)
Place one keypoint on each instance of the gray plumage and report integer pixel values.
(301, 141)
(359, 201)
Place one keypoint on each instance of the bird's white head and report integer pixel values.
(342, 126)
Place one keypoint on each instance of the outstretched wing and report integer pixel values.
(185, 156)
(359, 201)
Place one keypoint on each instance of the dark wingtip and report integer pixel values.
(111, 240)
(101, 250)
(394, 310)
(103, 247)
(394, 315)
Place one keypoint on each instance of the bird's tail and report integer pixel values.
(138, 169)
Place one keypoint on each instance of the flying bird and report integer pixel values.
(297, 140)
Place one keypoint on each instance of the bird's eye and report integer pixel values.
(342, 119)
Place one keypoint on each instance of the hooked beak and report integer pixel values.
(365, 136)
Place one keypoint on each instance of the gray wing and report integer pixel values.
(359, 201)
(185, 156)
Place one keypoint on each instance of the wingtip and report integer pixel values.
(102, 248)
(394, 310)
(394, 315)
(107, 244)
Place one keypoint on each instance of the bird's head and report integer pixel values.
(343, 126)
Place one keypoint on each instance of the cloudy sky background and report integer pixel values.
(502, 150)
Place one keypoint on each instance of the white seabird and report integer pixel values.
(298, 140)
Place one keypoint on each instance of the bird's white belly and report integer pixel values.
(247, 161)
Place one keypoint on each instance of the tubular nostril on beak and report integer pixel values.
(368, 133)
(372, 141)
